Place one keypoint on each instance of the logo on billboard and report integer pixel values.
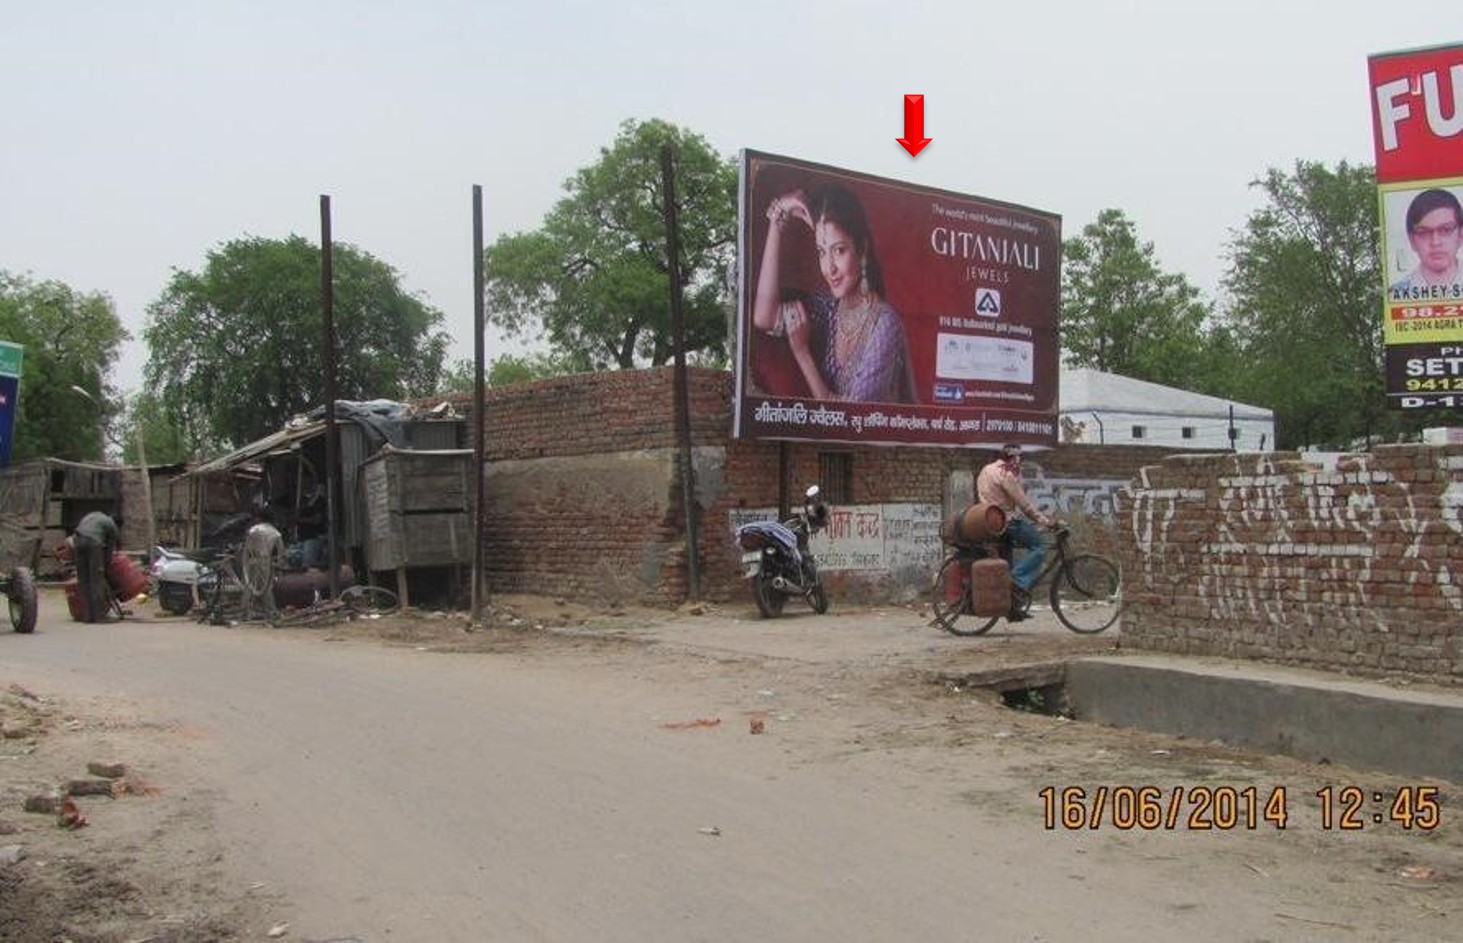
(988, 302)
(949, 393)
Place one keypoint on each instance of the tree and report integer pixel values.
(164, 443)
(235, 349)
(594, 277)
(72, 340)
(1305, 301)
(508, 369)
(1122, 314)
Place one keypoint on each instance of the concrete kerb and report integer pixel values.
(1308, 715)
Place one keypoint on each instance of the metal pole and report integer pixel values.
(332, 440)
(682, 391)
(784, 482)
(146, 492)
(479, 407)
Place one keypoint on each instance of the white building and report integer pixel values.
(1106, 409)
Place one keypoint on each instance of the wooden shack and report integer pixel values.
(41, 501)
(419, 514)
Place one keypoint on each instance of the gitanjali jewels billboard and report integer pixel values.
(882, 313)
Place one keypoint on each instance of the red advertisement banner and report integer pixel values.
(1417, 113)
(877, 312)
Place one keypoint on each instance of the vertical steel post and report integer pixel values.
(332, 438)
(479, 407)
(682, 391)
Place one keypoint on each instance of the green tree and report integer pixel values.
(236, 349)
(163, 442)
(1305, 302)
(72, 340)
(1123, 314)
(593, 278)
(507, 369)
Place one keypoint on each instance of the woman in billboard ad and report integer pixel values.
(847, 340)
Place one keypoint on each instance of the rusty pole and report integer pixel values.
(332, 438)
(682, 391)
(479, 407)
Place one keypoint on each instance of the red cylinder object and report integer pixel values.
(975, 525)
(298, 589)
(126, 578)
(74, 602)
(955, 588)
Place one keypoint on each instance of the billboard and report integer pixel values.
(877, 312)
(1417, 131)
(11, 358)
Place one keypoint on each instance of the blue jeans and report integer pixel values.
(1022, 533)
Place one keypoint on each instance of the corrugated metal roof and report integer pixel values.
(274, 442)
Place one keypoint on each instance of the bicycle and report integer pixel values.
(353, 602)
(1086, 590)
(221, 590)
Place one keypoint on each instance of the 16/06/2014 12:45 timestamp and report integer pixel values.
(1226, 808)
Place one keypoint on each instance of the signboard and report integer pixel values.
(1417, 129)
(881, 313)
(11, 358)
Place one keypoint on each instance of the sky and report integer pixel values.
(140, 135)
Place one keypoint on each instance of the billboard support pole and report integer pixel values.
(682, 392)
(333, 509)
(479, 406)
(784, 482)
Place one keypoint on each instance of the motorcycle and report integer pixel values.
(176, 576)
(777, 560)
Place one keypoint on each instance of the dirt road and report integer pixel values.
(598, 778)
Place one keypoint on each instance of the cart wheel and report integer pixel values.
(23, 604)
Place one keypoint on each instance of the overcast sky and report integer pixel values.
(141, 134)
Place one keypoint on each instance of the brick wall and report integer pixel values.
(1357, 567)
(584, 495)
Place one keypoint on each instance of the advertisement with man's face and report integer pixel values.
(1417, 111)
(878, 312)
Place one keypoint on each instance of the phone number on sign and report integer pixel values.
(1226, 808)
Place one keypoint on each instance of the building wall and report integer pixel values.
(1355, 567)
(584, 495)
(1207, 433)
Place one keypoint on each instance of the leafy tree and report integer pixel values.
(1123, 314)
(235, 349)
(71, 339)
(1305, 302)
(507, 369)
(593, 278)
(163, 442)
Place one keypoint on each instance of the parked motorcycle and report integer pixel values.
(778, 562)
(175, 576)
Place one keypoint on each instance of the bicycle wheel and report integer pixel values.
(1087, 593)
(952, 606)
(369, 601)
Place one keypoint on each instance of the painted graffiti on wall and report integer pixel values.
(892, 538)
(1064, 497)
(1300, 549)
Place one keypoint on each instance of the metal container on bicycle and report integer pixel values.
(990, 587)
(977, 524)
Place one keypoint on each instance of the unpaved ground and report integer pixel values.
(850, 692)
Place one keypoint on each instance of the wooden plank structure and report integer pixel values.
(418, 506)
(42, 500)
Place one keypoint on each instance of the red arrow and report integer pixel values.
(914, 139)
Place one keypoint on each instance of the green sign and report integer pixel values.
(10, 357)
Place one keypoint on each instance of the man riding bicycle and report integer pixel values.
(1000, 483)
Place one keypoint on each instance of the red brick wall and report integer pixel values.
(584, 497)
(1263, 556)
